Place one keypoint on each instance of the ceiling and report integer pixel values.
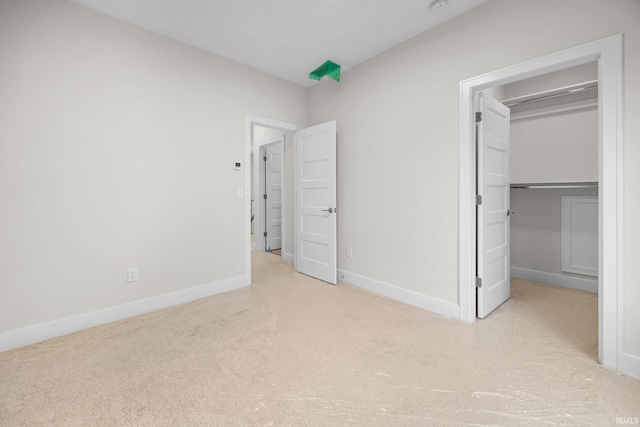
(287, 38)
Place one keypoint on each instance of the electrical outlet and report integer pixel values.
(349, 252)
(132, 275)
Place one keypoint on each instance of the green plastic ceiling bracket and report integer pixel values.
(329, 68)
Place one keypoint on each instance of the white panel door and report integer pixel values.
(494, 270)
(273, 158)
(316, 202)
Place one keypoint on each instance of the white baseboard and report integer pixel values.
(630, 365)
(588, 285)
(56, 328)
(410, 297)
(287, 258)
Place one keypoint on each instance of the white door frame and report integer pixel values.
(258, 182)
(250, 121)
(608, 54)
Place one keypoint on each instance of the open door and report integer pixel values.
(316, 202)
(493, 214)
(274, 162)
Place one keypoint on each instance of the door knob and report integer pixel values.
(330, 210)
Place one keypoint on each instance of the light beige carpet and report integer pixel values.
(291, 350)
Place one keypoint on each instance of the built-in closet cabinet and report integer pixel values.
(554, 163)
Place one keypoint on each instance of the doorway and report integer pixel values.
(269, 191)
(554, 177)
(250, 123)
(608, 54)
(538, 217)
(314, 196)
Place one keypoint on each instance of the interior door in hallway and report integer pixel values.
(316, 202)
(274, 161)
(493, 214)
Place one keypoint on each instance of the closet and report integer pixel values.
(554, 177)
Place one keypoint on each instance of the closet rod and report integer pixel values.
(556, 185)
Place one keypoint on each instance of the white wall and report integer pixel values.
(398, 117)
(535, 227)
(548, 146)
(560, 147)
(116, 151)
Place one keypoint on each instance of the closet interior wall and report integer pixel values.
(554, 143)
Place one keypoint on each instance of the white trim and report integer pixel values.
(251, 120)
(258, 226)
(286, 257)
(630, 365)
(435, 305)
(608, 53)
(56, 328)
(571, 282)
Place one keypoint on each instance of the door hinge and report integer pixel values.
(265, 234)
(478, 199)
(478, 117)
(264, 196)
(478, 282)
(264, 158)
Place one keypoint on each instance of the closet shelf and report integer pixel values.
(588, 86)
(541, 185)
